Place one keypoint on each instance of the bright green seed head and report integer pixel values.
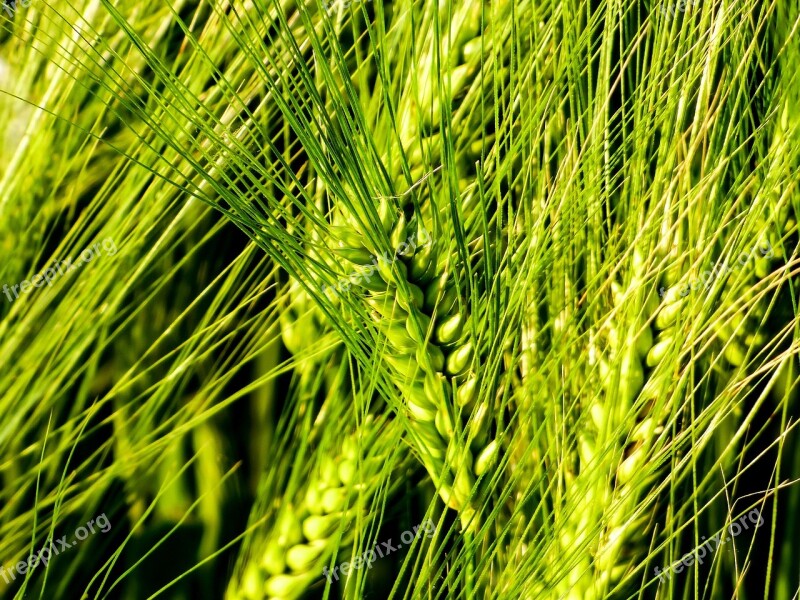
(487, 458)
(449, 330)
(467, 391)
(398, 338)
(421, 412)
(658, 351)
(431, 355)
(631, 465)
(355, 255)
(286, 586)
(417, 297)
(333, 500)
(346, 237)
(423, 264)
(320, 527)
(399, 232)
(303, 556)
(668, 315)
(288, 529)
(479, 423)
(424, 326)
(347, 471)
(460, 359)
(444, 422)
(392, 271)
(274, 558)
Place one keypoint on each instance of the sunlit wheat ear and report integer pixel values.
(418, 305)
(740, 333)
(741, 330)
(606, 530)
(300, 542)
(637, 382)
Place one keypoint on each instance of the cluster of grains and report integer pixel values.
(416, 298)
(631, 380)
(742, 333)
(741, 330)
(305, 534)
(638, 374)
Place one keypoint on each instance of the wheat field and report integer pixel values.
(376, 299)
